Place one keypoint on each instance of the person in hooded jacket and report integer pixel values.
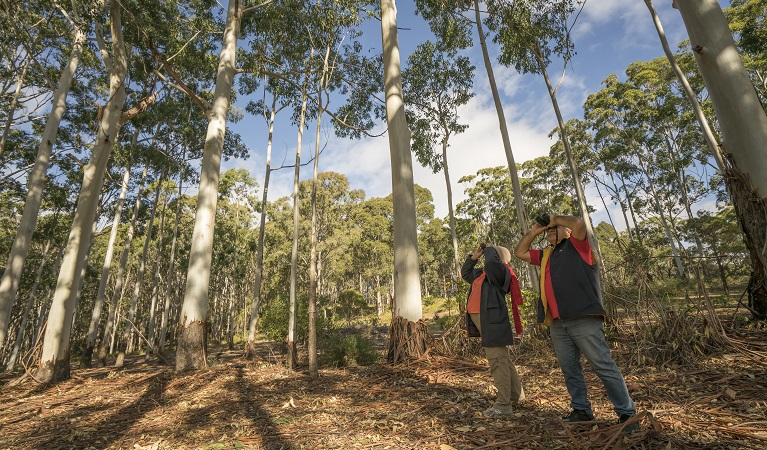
(488, 312)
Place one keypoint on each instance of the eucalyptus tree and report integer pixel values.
(54, 363)
(191, 352)
(407, 306)
(744, 130)
(235, 189)
(746, 19)
(531, 34)
(9, 282)
(620, 114)
(436, 83)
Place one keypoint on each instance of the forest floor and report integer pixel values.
(433, 403)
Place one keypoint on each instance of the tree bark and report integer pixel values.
(292, 358)
(12, 107)
(518, 201)
(9, 284)
(98, 304)
(171, 271)
(110, 328)
(54, 363)
(191, 352)
(131, 316)
(250, 346)
(407, 308)
(744, 131)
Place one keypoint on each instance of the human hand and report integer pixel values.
(478, 252)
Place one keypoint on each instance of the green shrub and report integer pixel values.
(349, 350)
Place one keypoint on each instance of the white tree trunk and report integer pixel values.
(260, 249)
(150, 340)
(192, 347)
(407, 282)
(741, 117)
(12, 107)
(518, 201)
(9, 284)
(744, 131)
(451, 215)
(130, 318)
(54, 363)
(171, 268)
(90, 339)
(110, 329)
(291, 356)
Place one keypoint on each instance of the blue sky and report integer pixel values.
(609, 35)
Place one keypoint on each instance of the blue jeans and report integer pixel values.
(586, 335)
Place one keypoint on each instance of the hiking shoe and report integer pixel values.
(578, 415)
(630, 428)
(495, 412)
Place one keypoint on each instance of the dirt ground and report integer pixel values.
(433, 403)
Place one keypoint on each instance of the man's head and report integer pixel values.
(555, 234)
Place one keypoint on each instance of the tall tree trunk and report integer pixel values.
(131, 316)
(517, 190)
(451, 215)
(312, 308)
(620, 202)
(171, 269)
(291, 356)
(150, 341)
(54, 363)
(191, 352)
(233, 296)
(250, 346)
(663, 221)
(27, 309)
(713, 146)
(744, 129)
(98, 304)
(12, 107)
(407, 307)
(569, 153)
(110, 328)
(9, 284)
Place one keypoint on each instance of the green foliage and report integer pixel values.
(348, 350)
(351, 303)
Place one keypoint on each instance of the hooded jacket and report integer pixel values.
(494, 314)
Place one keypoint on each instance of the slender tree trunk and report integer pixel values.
(27, 309)
(713, 146)
(664, 222)
(451, 215)
(171, 269)
(744, 128)
(250, 346)
(407, 308)
(54, 363)
(292, 360)
(191, 351)
(130, 318)
(570, 159)
(518, 201)
(110, 329)
(150, 341)
(9, 284)
(620, 202)
(12, 107)
(90, 340)
(233, 296)
(312, 309)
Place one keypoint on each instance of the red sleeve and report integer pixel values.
(535, 257)
(584, 249)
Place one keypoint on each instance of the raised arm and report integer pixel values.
(522, 250)
(576, 225)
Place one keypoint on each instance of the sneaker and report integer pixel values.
(495, 412)
(630, 428)
(578, 415)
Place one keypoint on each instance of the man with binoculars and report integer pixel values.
(571, 305)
